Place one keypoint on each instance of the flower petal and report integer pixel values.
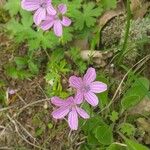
(30, 5)
(39, 15)
(66, 21)
(75, 82)
(98, 87)
(82, 113)
(50, 10)
(62, 8)
(73, 120)
(58, 28)
(91, 98)
(90, 75)
(60, 112)
(57, 101)
(79, 97)
(47, 24)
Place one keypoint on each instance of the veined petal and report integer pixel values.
(79, 97)
(66, 21)
(91, 98)
(82, 113)
(90, 75)
(47, 24)
(60, 112)
(62, 8)
(75, 82)
(50, 10)
(39, 15)
(58, 28)
(30, 5)
(48, 1)
(73, 120)
(57, 101)
(98, 87)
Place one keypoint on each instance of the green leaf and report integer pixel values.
(13, 6)
(92, 123)
(133, 145)
(130, 101)
(88, 16)
(109, 4)
(114, 116)
(117, 146)
(128, 129)
(33, 67)
(21, 61)
(104, 134)
(138, 90)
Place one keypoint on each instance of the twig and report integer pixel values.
(31, 104)
(17, 131)
(25, 130)
(7, 108)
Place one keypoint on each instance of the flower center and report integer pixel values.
(85, 88)
(43, 4)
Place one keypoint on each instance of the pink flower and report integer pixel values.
(11, 91)
(57, 21)
(87, 87)
(70, 108)
(41, 8)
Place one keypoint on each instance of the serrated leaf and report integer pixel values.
(33, 67)
(13, 6)
(87, 16)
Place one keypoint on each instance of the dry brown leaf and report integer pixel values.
(139, 8)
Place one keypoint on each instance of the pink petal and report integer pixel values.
(30, 5)
(75, 82)
(82, 113)
(98, 87)
(57, 101)
(73, 120)
(51, 10)
(62, 8)
(58, 28)
(60, 112)
(66, 21)
(48, 1)
(39, 15)
(47, 24)
(90, 75)
(79, 97)
(91, 98)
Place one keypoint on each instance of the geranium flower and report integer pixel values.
(57, 21)
(70, 108)
(41, 8)
(86, 87)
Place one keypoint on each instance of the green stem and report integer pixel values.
(124, 47)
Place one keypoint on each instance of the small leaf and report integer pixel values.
(104, 134)
(114, 116)
(33, 67)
